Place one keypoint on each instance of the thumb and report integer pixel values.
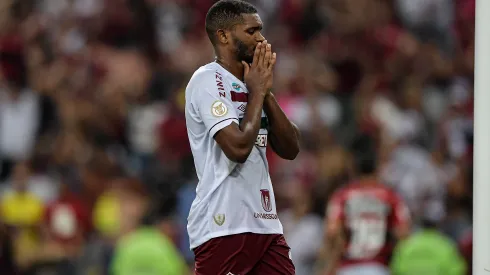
(246, 68)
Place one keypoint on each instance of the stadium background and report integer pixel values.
(92, 131)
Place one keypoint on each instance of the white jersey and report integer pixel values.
(231, 198)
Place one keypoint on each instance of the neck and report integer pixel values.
(232, 66)
(368, 180)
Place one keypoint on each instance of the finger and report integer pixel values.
(273, 61)
(262, 53)
(246, 68)
(256, 55)
(268, 55)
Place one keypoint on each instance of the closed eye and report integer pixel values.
(253, 30)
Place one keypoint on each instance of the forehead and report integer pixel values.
(251, 21)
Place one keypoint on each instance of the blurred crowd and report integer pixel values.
(93, 138)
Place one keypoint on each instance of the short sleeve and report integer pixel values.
(214, 108)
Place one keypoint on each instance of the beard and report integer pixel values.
(243, 52)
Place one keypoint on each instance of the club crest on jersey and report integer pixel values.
(266, 200)
(236, 86)
(219, 109)
(219, 219)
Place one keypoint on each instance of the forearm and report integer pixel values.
(283, 135)
(250, 124)
(238, 140)
(334, 253)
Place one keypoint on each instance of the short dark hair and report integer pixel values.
(225, 14)
(364, 149)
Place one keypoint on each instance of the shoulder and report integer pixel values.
(387, 191)
(207, 76)
(344, 190)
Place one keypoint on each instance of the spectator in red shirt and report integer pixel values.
(466, 249)
(67, 220)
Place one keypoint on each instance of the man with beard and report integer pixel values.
(231, 115)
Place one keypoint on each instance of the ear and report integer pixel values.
(223, 36)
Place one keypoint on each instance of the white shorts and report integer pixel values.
(364, 269)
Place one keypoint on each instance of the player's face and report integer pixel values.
(246, 36)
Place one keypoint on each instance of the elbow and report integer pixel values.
(293, 153)
(290, 156)
(285, 150)
(242, 154)
(290, 153)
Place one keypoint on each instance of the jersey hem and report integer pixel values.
(208, 237)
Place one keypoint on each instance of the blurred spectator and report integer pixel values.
(150, 247)
(67, 221)
(19, 114)
(428, 251)
(298, 221)
(466, 250)
(23, 212)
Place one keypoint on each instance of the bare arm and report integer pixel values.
(283, 134)
(237, 141)
(402, 216)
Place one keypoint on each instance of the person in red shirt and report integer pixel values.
(364, 220)
(466, 249)
(67, 220)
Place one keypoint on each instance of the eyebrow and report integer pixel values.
(259, 27)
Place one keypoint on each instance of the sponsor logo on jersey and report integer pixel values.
(236, 86)
(242, 108)
(219, 219)
(265, 216)
(266, 200)
(261, 140)
(219, 84)
(219, 109)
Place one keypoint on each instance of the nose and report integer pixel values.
(260, 38)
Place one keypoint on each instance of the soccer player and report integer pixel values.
(231, 116)
(364, 220)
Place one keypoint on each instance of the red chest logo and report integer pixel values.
(266, 200)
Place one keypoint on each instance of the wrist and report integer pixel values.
(269, 95)
(254, 96)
